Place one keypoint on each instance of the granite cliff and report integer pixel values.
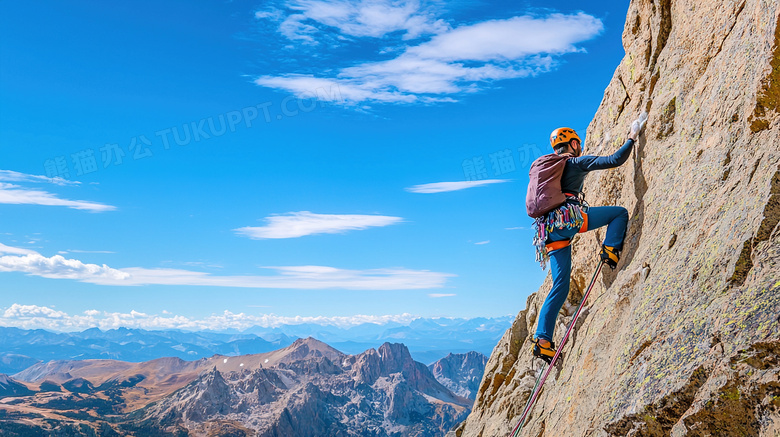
(683, 339)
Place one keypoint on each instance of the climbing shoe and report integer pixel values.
(545, 353)
(610, 256)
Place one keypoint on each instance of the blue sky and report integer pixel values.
(234, 163)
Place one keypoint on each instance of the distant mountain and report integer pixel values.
(12, 363)
(427, 340)
(10, 387)
(461, 373)
(307, 388)
(23, 348)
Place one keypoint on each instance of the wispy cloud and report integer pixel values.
(454, 61)
(439, 295)
(65, 252)
(15, 176)
(286, 277)
(15, 250)
(34, 316)
(482, 242)
(299, 224)
(19, 195)
(443, 187)
(307, 20)
(283, 277)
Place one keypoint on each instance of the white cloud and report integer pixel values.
(406, 79)
(443, 187)
(59, 267)
(15, 250)
(17, 311)
(284, 277)
(512, 38)
(483, 242)
(454, 61)
(273, 14)
(34, 316)
(15, 176)
(299, 224)
(344, 91)
(17, 195)
(438, 295)
(355, 18)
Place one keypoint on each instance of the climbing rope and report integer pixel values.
(539, 382)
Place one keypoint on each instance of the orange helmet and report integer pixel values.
(563, 135)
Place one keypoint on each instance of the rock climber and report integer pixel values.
(555, 229)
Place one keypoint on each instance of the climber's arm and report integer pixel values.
(590, 162)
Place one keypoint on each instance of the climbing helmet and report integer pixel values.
(563, 135)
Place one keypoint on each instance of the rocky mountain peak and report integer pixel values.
(306, 348)
(394, 357)
(461, 373)
(388, 359)
(209, 394)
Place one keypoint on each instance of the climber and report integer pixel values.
(555, 229)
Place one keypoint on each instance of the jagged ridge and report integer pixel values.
(313, 389)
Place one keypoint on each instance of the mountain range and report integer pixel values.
(307, 388)
(427, 340)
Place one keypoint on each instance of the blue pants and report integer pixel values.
(560, 261)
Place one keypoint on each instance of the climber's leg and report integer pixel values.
(560, 266)
(616, 217)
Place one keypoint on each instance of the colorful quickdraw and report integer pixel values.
(568, 215)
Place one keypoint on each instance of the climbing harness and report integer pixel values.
(546, 371)
(572, 214)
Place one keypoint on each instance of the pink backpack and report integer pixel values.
(544, 189)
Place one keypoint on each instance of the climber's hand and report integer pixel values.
(637, 126)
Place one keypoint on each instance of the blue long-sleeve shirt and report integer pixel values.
(577, 168)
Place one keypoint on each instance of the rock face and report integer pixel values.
(684, 337)
(313, 389)
(461, 373)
